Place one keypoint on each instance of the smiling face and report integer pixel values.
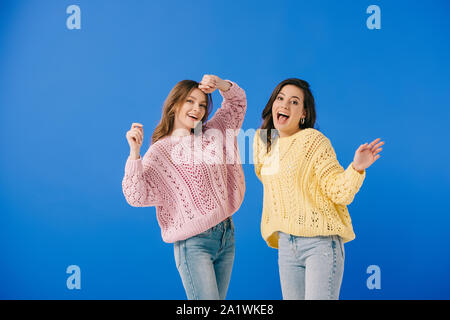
(288, 110)
(191, 111)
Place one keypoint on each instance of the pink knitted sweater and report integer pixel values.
(195, 181)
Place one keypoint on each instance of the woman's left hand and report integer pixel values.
(211, 82)
(367, 154)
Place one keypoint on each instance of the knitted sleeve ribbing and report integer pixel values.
(339, 185)
(232, 112)
(140, 183)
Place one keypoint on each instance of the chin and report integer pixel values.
(281, 127)
(195, 125)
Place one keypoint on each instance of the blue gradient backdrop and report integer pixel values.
(67, 98)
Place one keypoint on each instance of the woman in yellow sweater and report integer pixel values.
(306, 193)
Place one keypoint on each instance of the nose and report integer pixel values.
(285, 106)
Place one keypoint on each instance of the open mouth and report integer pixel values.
(192, 116)
(282, 117)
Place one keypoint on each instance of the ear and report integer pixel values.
(304, 114)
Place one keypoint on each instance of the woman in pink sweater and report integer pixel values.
(192, 174)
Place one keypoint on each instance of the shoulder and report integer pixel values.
(260, 137)
(164, 143)
(256, 137)
(157, 150)
(260, 143)
(315, 144)
(312, 133)
(315, 137)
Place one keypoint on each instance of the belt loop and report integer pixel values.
(224, 231)
(227, 223)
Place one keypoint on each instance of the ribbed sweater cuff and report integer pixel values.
(354, 176)
(133, 166)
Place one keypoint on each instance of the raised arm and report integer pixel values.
(140, 181)
(232, 112)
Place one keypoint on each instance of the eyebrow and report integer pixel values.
(291, 97)
(204, 101)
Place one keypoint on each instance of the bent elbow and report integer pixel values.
(344, 200)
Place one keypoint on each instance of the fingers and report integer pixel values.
(136, 124)
(378, 145)
(209, 79)
(206, 88)
(374, 142)
(377, 151)
(361, 147)
(134, 136)
(139, 136)
(374, 146)
(136, 133)
(208, 83)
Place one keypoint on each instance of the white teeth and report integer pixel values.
(282, 114)
(192, 116)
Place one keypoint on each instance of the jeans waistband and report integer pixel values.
(224, 225)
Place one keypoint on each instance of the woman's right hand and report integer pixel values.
(135, 137)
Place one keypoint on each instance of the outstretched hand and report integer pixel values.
(367, 154)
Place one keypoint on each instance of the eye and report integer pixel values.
(295, 102)
(280, 98)
(190, 101)
(203, 105)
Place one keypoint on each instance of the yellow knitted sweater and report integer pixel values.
(306, 190)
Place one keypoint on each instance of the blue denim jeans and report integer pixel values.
(310, 268)
(205, 262)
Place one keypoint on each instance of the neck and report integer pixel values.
(284, 134)
(180, 131)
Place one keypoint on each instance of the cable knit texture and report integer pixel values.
(195, 181)
(306, 190)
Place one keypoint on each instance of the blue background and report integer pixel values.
(67, 98)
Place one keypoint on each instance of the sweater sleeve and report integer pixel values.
(339, 185)
(257, 154)
(232, 112)
(140, 183)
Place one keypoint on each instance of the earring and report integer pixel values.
(302, 121)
